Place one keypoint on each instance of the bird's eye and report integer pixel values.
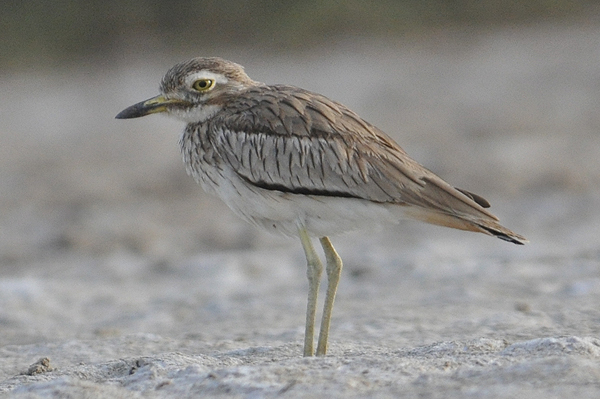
(203, 84)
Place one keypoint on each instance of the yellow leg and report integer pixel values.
(334, 270)
(314, 271)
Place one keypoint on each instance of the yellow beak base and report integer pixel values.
(151, 106)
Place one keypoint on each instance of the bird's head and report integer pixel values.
(193, 90)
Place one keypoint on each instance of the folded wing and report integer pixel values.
(290, 140)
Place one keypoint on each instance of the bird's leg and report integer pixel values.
(314, 271)
(334, 270)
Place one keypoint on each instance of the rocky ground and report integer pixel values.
(120, 278)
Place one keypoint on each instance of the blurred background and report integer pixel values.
(497, 97)
(67, 32)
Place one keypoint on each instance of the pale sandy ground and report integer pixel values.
(133, 283)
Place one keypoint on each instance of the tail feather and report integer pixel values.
(479, 200)
(486, 226)
(505, 234)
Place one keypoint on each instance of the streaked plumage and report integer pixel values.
(298, 163)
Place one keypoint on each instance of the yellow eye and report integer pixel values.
(203, 84)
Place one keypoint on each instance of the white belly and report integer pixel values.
(284, 213)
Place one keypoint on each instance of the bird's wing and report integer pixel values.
(290, 140)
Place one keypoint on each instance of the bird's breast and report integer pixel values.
(274, 210)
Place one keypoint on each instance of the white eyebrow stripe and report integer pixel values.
(217, 77)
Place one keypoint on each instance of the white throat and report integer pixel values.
(196, 114)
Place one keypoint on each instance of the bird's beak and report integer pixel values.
(151, 106)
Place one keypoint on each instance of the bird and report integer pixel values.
(297, 163)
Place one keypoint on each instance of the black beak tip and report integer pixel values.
(131, 112)
(121, 115)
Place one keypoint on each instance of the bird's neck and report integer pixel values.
(197, 114)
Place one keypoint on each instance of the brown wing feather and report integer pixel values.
(288, 139)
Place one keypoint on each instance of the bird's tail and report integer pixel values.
(484, 225)
(494, 229)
